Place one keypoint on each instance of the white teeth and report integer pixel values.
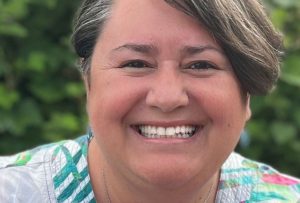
(169, 132)
(177, 130)
(161, 131)
(182, 129)
(153, 131)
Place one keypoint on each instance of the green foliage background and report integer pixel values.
(42, 98)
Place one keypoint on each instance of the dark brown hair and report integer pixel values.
(241, 27)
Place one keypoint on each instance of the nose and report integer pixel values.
(167, 92)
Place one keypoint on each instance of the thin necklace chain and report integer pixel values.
(109, 199)
(105, 187)
(209, 192)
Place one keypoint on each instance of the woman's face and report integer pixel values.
(164, 104)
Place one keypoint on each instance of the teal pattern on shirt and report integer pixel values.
(65, 163)
(59, 172)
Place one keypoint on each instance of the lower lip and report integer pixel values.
(167, 140)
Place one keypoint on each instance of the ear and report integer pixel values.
(86, 81)
(248, 108)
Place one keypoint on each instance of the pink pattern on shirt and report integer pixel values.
(279, 179)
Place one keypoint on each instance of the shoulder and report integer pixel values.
(41, 154)
(32, 174)
(243, 179)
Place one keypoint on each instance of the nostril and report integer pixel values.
(167, 100)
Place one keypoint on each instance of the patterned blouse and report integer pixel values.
(58, 172)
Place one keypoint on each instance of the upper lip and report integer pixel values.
(168, 123)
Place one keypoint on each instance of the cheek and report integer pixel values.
(223, 104)
(111, 98)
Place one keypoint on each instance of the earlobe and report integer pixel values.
(86, 84)
(87, 90)
(248, 108)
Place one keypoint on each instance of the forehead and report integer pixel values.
(145, 7)
(152, 19)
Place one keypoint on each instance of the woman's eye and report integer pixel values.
(135, 64)
(202, 65)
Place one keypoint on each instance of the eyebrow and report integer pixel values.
(140, 48)
(150, 49)
(192, 50)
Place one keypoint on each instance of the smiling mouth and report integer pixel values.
(156, 132)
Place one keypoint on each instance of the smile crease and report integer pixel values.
(154, 132)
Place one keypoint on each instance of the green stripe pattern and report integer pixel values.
(70, 172)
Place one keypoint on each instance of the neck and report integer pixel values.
(111, 186)
(135, 192)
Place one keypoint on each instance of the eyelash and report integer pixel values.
(204, 65)
(136, 64)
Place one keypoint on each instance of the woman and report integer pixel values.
(168, 90)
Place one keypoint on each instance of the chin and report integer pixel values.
(169, 174)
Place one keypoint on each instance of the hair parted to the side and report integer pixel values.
(246, 35)
(88, 24)
(241, 27)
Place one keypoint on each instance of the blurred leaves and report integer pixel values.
(291, 69)
(8, 99)
(282, 132)
(10, 12)
(42, 98)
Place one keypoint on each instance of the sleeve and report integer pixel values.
(24, 178)
(17, 185)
